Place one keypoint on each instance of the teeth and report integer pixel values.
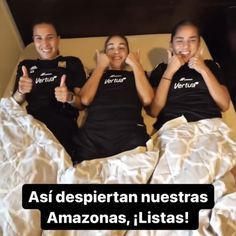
(184, 53)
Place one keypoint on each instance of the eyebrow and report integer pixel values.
(46, 35)
(191, 37)
(113, 44)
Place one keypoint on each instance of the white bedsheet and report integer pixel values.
(29, 153)
(198, 153)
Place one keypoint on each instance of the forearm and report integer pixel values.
(89, 90)
(218, 92)
(160, 97)
(143, 87)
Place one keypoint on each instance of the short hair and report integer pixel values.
(185, 22)
(116, 35)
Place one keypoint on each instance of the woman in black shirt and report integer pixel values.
(114, 97)
(187, 85)
(51, 85)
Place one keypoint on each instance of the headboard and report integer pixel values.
(152, 51)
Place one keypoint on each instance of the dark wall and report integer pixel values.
(83, 18)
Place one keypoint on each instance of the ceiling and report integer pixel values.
(83, 18)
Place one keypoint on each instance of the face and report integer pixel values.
(46, 41)
(186, 42)
(117, 51)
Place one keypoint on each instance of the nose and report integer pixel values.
(186, 44)
(116, 50)
(45, 42)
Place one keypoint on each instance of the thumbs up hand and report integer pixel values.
(175, 61)
(197, 62)
(25, 83)
(61, 93)
(133, 59)
(102, 60)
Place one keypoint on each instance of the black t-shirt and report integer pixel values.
(116, 100)
(188, 94)
(46, 76)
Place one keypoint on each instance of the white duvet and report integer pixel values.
(29, 153)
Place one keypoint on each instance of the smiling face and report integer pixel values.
(117, 50)
(186, 41)
(46, 41)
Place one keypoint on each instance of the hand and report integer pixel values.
(103, 60)
(175, 61)
(61, 93)
(133, 59)
(197, 62)
(25, 83)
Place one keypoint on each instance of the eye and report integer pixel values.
(179, 41)
(51, 37)
(122, 47)
(37, 38)
(110, 48)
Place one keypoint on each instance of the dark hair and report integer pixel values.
(44, 20)
(185, 22)
(230, 13)
(118, 35)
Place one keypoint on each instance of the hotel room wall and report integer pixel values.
(11, 46)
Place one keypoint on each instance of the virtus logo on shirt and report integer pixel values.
(185, 83)
(115, 79)
(45, 80)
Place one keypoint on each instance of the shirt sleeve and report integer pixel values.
(77, 73)
(157, 74)
(216, 70)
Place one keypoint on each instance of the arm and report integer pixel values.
(161, 92)
(143, 87)
(218, 92)
(69, 89)
(160, 97)
(23, 85)
(62, 94)
(89, 90)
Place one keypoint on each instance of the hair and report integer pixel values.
(185, 22)
(116, 35)
(44, 20)
(230, 13)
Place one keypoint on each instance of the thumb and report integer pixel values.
(97, 53)
(24, 71)
(63, 81)
(138, 52)
(169, 54)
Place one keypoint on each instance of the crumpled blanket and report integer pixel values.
(30, 153)
(197, 152)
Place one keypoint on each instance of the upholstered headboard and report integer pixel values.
(153, 51)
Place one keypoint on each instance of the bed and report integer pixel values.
(31, 154)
